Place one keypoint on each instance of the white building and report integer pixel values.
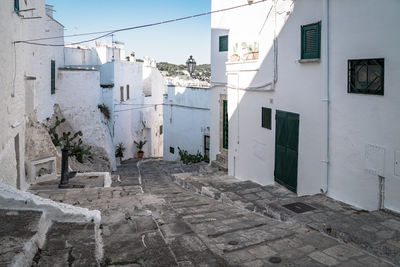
(316, 108)
(186, 120)
(27, 77)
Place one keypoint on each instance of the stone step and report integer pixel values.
(21, 232)
(130, 239)
(220, 166)
(222, 158)
(69, 244)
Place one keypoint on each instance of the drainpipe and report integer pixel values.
(325, 95)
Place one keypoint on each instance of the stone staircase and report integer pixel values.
(39, 232)
(221, 162)
(28, 238)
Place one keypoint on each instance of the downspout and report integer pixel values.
(325, 95)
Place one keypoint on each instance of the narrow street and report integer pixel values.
(148, 220)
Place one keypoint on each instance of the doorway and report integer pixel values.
(286, 149)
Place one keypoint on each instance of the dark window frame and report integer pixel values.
(127, 92)
(52, 77)
(266, 118)
(313, 54)
(352, 75)
(121, 92)
(223, 39)
(171, 150)
(16, 5)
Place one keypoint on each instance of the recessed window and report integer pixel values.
(16, 5)
(311, 41)
(121, 89)
(266, 118)
(53, 77)
(171, 150)
(161, 129)
(366, 76)
(127, 92)
(223, 43)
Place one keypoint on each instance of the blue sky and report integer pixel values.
(173, 42)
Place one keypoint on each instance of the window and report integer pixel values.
(16, 5)
(161, 129)
(266, 118)
(127, 92)
(53, 77)
(121, 89)
(311, 41)
(366, 76)
(223, 43)
(171, 150)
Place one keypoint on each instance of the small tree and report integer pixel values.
(140, 145)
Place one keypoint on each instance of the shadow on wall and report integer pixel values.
(256, 84)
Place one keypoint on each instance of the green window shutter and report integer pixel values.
(53, 77)
(225, 124)
(266, 118)
(16, 5)
(311, 41)
(223, 43)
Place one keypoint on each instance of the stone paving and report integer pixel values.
(378, 232)
(147, 220)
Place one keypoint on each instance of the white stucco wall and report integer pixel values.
(81, 56)
(299, 90)
(186, 120)
(78, 95)
(356, 119)
(126, 116)
(153, 82)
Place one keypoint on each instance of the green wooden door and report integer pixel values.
(286, 149)
(225, 124)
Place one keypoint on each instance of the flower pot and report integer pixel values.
(234, 58)
(118, 160)
(251, 56)
(140, 154)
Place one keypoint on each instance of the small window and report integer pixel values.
(53, 77)
(171, 150)
(266, 118)
(121, 93)
(16, 5)
(161, 129)
(127, 92)
(223, 43)
(366, 76)
(311, 41)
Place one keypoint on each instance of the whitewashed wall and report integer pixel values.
(25, 77)
(81, 56)
(186, 120)
(356, 119)
(153, 82)
(299, 90)
(78, 95)
(126, 116)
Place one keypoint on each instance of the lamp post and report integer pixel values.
(191, 65)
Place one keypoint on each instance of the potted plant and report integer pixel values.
(139, 146)
(252, 52)
(119, 153)
(235, 57)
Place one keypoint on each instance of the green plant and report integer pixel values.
(72, 140)
(190, 158)
(140, 145)
(119, 151)
(105, 110)
(52, 131)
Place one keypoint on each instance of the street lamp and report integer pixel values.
(191, 65)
